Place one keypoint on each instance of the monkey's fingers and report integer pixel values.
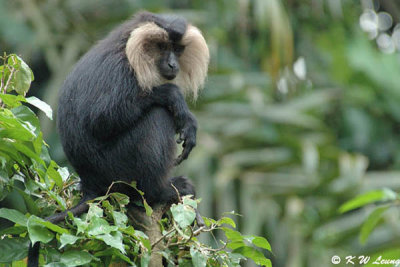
(185, 153)
(180, 139)
(179, 159)
(183, 135)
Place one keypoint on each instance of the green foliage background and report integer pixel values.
(286, 159)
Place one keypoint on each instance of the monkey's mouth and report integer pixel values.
(169, 77)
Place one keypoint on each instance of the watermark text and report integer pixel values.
(362, 259)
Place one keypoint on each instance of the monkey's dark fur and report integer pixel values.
(113, 130)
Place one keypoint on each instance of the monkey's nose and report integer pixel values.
(172, 66)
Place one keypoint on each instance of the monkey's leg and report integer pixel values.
(184, 187)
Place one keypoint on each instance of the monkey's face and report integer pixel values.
(168, 63)
(159, 54)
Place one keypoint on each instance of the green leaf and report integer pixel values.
(23, 75)
(14, 216)
(14, 230)
(236, 244)
(63, 171)
(198, 259)
(43, 106)
(92, 245)
(20, 263)
(168, 257)
(184, 215)
(76, 258)
(7, 147)
(58, 198)
(94, 211)
(120, 219)
(232, 235)
(184, 263)
(99, 226)
(255, 255)
(82, 225)
(38, 143)
(226, 220)
(44, 154)
(370, 223)
(55, 264)
(54, 175)
(114, 252)
(367, 198)
(121, 199)
(114, 240)
(129, 231)
(13, 249)
(37, 231)
(187, 200)
(28, 118)
(28, 152)
(146, 243)
(260, 242)
(67, 239)
(53, 227)
(53, 255)
(13, 128)
(30, 204)
(235, 259)
(140, 234)
(209, 221)
(148, 209)
(144, 260)
(12, 101)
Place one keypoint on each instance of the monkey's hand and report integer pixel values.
(187, 135)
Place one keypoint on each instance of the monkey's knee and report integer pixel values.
(183, 185)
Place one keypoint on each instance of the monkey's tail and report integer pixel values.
(33, 253)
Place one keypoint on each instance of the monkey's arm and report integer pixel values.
(170, 96)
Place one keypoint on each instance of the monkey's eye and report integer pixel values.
(179, 49)
(162, 46)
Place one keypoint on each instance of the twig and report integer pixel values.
(109, 189)
(161, 238)
(203, 229)
(138, 223)
(177, 192)
(3, 75)
(3, 88)
(215, 249)
(12, 70)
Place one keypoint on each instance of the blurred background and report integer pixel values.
(300, 112)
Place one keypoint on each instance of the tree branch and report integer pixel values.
(151, 227)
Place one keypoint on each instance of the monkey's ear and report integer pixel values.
(193, 62)
(143, 62)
